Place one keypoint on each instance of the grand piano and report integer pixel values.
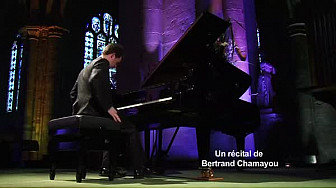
(192, 86)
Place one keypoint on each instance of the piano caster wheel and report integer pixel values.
(207, 173)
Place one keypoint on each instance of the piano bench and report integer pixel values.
(81, 134)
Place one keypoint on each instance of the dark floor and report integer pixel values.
(270, 178)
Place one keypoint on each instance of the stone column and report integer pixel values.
(164, 23)
(178, 17)
(152, 32)
(42, 45)
(306, 109)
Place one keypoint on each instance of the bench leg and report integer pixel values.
(52, 148)
(52, 172)
(81, 168)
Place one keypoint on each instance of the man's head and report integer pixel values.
(113, 53)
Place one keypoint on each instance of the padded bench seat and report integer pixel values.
(83, 122)
(84, 133)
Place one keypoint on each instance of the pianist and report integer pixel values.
(92, 95)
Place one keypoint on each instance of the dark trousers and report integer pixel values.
(131, 142)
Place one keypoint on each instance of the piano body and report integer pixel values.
(195, 88)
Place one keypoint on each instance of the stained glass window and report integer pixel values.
(116, 31)
(88, 56)
(100, 31)
(95, 24)
(14, 76)
(108, 24)
(101, 43)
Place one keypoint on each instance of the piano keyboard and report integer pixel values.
(145, 103)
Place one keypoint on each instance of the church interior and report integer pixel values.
(286, 48)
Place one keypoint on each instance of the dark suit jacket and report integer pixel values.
(92, 94)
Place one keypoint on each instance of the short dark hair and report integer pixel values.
(114, 48)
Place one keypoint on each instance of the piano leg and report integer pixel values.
(161, 155)
(240, 141)
(147, 145)
(203, 144)
(158, 156)
(160, 151)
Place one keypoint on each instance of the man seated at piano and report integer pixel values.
(92, 95)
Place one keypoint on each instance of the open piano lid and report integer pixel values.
(188, 51)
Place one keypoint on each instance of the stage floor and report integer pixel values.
(279, 178)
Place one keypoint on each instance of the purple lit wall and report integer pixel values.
(164, 23)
